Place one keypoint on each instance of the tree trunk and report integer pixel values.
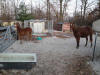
(31, 7)
(61, 14)
(84, 12)
(76, 8)
(48, 10)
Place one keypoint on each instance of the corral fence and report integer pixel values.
(7, 37)
(40, 26)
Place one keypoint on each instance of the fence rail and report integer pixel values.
(8, 37)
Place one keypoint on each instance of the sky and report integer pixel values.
(71, 5)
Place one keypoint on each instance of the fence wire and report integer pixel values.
(8, 37)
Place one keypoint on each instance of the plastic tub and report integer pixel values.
(39, 38)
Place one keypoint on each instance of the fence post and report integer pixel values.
(94, 46)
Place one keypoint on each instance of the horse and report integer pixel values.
(82, 32)
(24, 32)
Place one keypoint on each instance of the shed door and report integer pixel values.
(38, 27)
(32, 26)
(25, 24)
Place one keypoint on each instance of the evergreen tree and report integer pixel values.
(22, 13)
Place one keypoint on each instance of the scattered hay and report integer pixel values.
(79, 66)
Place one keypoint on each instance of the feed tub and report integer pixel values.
(17, 60)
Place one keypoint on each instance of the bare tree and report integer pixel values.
(48, 9)
(76, 7)
(61, 13)
(55, 12)
(10, 7)
(63, 6)
(86, 4)
(31, 6)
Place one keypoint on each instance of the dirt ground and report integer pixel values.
(55, 56)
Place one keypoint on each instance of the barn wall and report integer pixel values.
(66, 27)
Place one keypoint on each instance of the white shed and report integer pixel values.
(38, 26)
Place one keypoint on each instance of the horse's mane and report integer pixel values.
(74, 27)
(18, 27)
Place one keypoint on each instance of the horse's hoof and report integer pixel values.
(90, 46)
(77, 47)
(20, 42)
(85, 45)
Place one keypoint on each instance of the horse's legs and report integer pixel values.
(27, 36)
(91, 39)
(91, 42)
(21, 38)
(77, 40)
(86, 41)
(30, 36)
(18, 37)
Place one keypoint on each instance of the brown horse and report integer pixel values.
(82, 31)
(24, 32)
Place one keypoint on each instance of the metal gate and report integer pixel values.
(7, 38)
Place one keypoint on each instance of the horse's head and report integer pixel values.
(72, 26)
(17, 25)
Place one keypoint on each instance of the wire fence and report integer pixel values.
(7, 37)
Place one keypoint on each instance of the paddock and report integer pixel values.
(54, 55)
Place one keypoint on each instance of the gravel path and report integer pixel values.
(53, 55)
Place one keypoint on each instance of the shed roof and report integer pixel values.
(60, 23)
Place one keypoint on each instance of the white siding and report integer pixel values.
(37, 27)
(26, 24)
